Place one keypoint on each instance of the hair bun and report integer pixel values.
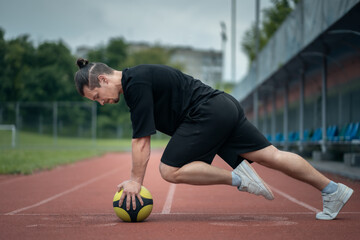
(82, 62)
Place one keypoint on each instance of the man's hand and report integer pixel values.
(131, 191)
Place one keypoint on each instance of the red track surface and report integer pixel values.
(75, 202)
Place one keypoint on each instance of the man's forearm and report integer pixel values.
(140, 158)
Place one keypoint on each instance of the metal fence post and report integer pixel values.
(273, 114)
(301, 120)
(17, 121)
(93, 122)
(286, 115)
(55, 116)
(323, 103)
(256, 107)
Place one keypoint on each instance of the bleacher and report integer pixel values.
(307, 77)
(347, 134)
(343, 142)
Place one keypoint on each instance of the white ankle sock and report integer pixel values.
(236, 180)
(330, 188)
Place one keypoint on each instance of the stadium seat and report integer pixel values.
(317, 136)
(306, 135)
(352, 132)
(268, 137)
(296, 136)
(348, 132)
(357, 137)
(332, 132)
(342, 132)
(279, 137)
(293, 136)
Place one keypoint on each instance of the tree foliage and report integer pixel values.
(273, 17)
(151, 55)
(113, 54)
(45, 73)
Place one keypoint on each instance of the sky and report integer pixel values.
(193, 23)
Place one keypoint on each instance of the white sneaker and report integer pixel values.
(251, 182)
(332, 203)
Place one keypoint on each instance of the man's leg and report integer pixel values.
(243, 177)
(335, 196)
(289, 163)
(196, 173)
(201, 173)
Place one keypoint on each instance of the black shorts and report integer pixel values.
(217, 126)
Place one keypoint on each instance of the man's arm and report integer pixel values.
(140, 158)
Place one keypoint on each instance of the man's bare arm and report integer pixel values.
(140, 158)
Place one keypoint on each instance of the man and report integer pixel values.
(203, 122)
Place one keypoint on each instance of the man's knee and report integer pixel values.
(168, 173)
(266, 156)
(274, 157)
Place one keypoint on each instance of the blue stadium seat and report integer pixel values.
(306, 135)
(357, 136)
(317, 136)
(268, 137)
(342, 132)
(348, 132)
(332, 132)
(279, 137)
(296, 136)
(293, 136)
(352, 132)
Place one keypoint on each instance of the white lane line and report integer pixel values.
(169, 199)
(62, 193)
(292, 199)
(175, 214)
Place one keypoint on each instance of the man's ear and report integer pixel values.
(103, 78)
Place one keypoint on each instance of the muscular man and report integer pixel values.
(202, 122)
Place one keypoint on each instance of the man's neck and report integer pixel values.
(117, 79)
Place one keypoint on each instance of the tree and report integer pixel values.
(113, 54)
(274, 16)
(52, 78)
(97, 54)
(4, 82)
(116, 52)
(18, 59)
(248, 44)
(151, 55)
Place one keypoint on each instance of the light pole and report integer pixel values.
(233, 40)
(223, 48)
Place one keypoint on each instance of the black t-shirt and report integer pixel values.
(159, 97)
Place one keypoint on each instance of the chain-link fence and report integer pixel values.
(44, 123)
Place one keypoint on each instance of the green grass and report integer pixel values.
(27, 161)
(40, 152)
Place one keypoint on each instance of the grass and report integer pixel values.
(40, 152)
(27, 161)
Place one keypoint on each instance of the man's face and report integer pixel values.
(106, 94)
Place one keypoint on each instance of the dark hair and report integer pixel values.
(88, 73)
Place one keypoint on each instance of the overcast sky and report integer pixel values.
(194, 23)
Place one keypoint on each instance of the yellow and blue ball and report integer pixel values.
(137, 215)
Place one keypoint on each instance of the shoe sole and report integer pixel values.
(348, 193)
(251, 169)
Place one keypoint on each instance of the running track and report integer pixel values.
(75, 202)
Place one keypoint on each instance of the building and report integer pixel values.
(205, 65)
(201, 64)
